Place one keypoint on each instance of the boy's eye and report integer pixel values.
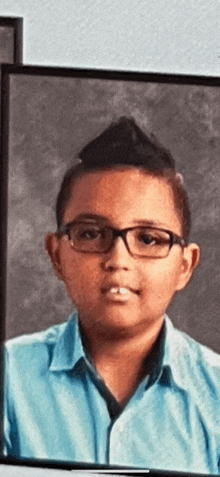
(89, 234)
(83, 233)
(146, 239)
(153, 237)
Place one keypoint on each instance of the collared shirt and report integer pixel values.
(55, 407)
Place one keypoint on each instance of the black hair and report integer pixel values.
(123, 143)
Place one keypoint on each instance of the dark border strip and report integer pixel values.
(3, 201)
(95, 468)
(109, 75)
(17, 25)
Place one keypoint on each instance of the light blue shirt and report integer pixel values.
(55, 410)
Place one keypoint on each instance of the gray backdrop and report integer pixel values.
(51, 118)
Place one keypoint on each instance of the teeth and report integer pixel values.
(119, 290)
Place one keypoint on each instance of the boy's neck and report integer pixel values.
(122, 362)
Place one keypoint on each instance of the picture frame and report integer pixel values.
(48, 115)
(11, 51)
(44, 468)
(11, 40)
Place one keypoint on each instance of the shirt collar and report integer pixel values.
(68, 349)
(173, 351)
(177, 355)
(173, 357)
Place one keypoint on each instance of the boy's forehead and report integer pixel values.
(125, 196)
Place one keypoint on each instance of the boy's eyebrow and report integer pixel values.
(91, 217)
(152, 223)
(96, 217)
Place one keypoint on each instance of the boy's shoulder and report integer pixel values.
(192, 350)
(194, 366)
(36, 348)
(47, 336)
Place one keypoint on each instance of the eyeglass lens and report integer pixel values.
(142, 241)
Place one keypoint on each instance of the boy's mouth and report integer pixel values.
(119, 291)
(116, 291)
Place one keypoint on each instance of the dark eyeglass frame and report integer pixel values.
(174, 238)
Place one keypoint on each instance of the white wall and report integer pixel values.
(178, 36)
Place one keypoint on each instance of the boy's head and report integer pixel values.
(125, 144)
(123, 223)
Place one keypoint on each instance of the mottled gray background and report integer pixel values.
(51, 118)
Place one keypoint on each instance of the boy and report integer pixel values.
(117, 384)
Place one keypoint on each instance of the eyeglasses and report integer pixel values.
(142, 241)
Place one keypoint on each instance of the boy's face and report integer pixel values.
(124, 198)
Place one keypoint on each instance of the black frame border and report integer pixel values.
(17, 24)
(96, 468)
(104, 74)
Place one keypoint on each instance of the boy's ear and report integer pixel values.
(52, 246)
(190, 261)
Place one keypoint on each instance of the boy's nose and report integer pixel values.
(118, 256)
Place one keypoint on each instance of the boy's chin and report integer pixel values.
(119, 323)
